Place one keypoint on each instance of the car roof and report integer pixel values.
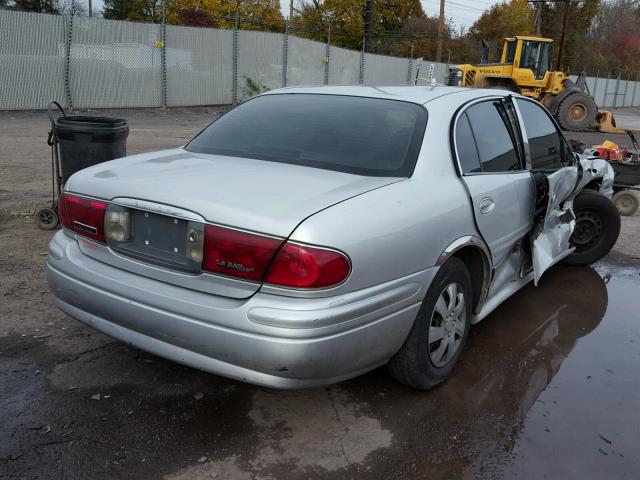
(419, 94)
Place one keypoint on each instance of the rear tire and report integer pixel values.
(577, 112)
(439, 331)
(597, 228)
(627, 202)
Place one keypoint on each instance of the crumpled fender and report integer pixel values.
(595, 168)
(550, 238)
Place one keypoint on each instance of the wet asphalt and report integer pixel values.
(548, 386)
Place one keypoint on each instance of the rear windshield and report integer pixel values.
(364, 136)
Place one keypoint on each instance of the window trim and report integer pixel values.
(454, 125)
(525, 136)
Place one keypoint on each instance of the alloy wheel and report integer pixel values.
(447, 326)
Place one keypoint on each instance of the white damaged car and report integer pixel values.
(314, 233)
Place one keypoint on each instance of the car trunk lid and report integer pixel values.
(259, 196)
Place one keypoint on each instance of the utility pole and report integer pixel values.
(368, 22)
(538, 18)
(440, 33)
(290, 10)
(565, 14)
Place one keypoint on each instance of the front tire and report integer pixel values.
(439, 332)
(597, 228)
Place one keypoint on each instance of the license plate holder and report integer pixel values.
(161, 240)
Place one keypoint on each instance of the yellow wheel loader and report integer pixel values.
(525, 67)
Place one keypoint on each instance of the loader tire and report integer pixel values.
(577, 112)
(597, 228)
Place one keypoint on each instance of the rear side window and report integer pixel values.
(466, 145)
(360, 135)
(492, 138)
(545, 144)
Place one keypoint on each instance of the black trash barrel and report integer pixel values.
(87, 141)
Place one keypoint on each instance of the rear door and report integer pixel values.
(492, 167)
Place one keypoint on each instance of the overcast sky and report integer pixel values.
(463, 12)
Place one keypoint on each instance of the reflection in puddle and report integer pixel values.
(472, 425)
(371, 427)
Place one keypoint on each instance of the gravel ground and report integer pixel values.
(547, 387)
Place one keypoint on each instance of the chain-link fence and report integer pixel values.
(87, 62)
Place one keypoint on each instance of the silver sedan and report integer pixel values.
(312, 234)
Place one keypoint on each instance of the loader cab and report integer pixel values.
(532, 53)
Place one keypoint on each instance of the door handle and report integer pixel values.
(487, 205)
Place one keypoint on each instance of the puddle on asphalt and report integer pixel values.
(321, 430)
(548, 385)
(547, 388)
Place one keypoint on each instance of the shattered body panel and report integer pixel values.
(596, 168)
(550, 240)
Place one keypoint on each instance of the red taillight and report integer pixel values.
(302, 266)
(82, 215)
(235, 253)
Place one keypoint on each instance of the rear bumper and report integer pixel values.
(269, 340)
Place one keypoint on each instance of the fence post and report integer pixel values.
(626, 90)
(606, 90)
(67, 60)
(615, 97)
(327, 57)
(595, 85)
(163, 56)
(285, 53)
(234, 97)
(409, 70)
(635, 85)
(362, 65)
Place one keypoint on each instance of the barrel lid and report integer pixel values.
(81, 122)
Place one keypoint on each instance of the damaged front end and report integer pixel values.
(555, 224)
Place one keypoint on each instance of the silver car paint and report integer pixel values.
(238, 192)
(224, 190)
(396, 231)
(266, 339)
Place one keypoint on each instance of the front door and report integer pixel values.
(554, 219)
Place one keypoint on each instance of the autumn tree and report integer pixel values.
(417, 37)
(580, 18)
(117, 9)
(40, 6)
(503, 20)
(612, 43)
(345, 19)
(196, 17)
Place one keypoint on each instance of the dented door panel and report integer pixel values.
(551, 235)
